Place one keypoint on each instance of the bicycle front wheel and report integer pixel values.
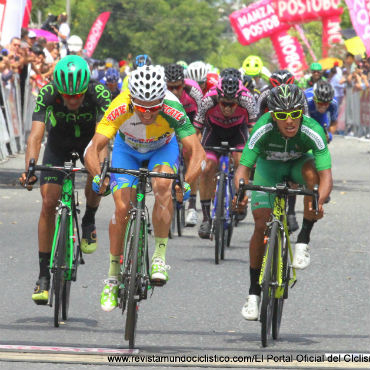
(268, 284)
(219, 226)
(60, 265)
(132, 297)
(279, 302)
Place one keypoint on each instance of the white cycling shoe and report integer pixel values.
(250, 310)
(191, 217)
(301, 258)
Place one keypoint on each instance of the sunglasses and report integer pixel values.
(73, 96)
(177, 87)
(282, 116)
(228, 104)
(151, 109)
(321, 103)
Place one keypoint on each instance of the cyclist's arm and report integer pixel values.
(197, 159)
(96, 146)
(325, 186)
(242, 172)
(34, 141)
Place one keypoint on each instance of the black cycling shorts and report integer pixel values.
(56, 157)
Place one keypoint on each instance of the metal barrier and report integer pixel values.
(15, 120)
(354, 117)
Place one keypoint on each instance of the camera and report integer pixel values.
(51, 21)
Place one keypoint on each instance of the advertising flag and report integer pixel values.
(95, 33)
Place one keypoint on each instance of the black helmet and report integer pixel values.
(228, 87)
(323, 91)
(283, 76)
(141, 60)
(248, 82)
(174, 72)
(227, 72)
(284, 98)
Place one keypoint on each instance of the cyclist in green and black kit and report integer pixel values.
(72, 104)
(279, 145)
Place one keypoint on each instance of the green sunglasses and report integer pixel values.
(282, 116)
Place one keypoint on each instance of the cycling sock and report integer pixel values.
(254, 288)
(192, 201)
(291, 204)
(114, 266)
(89, 217)
(44, 262)
(304, 235)
(206, 209)
(160, 248)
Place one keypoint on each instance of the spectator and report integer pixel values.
(63, 33)
(43, 43)
(336, 80)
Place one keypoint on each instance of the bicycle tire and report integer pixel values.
(59, 258)
(230, 228)
(279, 302)
(65, 299)
(268, 289)
(132, 306)
(219, 220)
(180, 218)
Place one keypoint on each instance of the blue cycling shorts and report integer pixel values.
(123, 156)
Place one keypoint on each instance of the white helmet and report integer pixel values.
(147, 83)
(197, 71)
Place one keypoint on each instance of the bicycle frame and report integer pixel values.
(224, 166)
(66, 201)
(279, 215)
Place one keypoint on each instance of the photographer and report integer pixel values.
(63, 33)
(358, 78)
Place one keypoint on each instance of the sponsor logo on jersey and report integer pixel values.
(314, 136)
(116, 112)
(172, 112)
(258, 134)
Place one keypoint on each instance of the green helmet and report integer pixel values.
(72, 75)
(316, 67)
(182, 63)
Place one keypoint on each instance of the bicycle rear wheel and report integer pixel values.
(268, 284)
(132, 299)
(230, 228)
(279, 302)
(180, 218)
(59, 266)
(65, 299)
(219, 220)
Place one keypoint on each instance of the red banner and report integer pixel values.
(27, 14)
(2, 14)
(359, 13)
(290, 53)
(256, 21)
(305, 10)
(330, 33)
(95, 33)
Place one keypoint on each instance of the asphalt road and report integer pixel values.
(198, 311)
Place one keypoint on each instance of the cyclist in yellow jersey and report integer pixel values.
(146, 116)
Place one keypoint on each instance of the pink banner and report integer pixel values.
(256, 21)
(305, 10)
(290, 53)
(304, 39)
(330, 33)
(359, 13)
(95, 33)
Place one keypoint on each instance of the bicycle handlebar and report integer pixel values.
(282, 189)
(143, 172)
(222, 149)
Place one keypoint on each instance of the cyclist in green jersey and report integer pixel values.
(279, 145)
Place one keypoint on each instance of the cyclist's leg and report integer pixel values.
(207, 181)
(50, 188)
(165, 159)
(89, 238)
(121, 186)
(304, 172)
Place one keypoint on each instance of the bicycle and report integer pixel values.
(134, 275)
(275, 277)
(223, 219)
(66, 254)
